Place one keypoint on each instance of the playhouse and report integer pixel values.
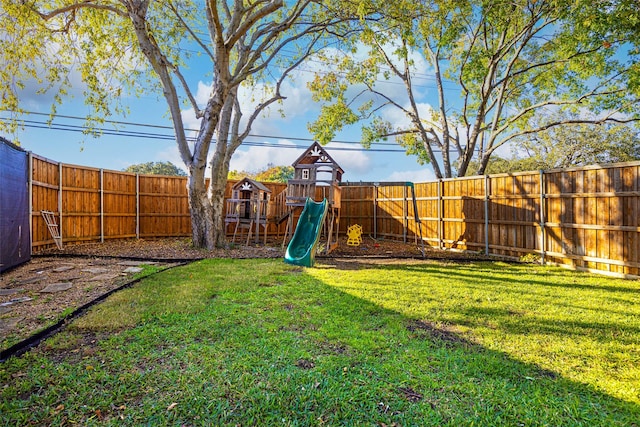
(248, 208)
(317, 177)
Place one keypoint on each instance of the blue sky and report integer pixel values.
(289, 129)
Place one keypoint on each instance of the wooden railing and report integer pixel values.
(278, 208)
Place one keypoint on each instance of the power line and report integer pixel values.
(154, 126)
(164, 137)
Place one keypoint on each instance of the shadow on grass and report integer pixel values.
(479, 276)
(509, 319)
(284, 348)
(571, 329)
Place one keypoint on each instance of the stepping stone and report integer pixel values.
(137, 263)
(95, 270)
(56, 287)
(10, 291)
(103, 277)
(28, 280)
(4, 310)
(15, 300)
(10, 323)
(132, 270)
(63, 268)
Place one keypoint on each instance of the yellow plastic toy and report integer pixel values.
(354, 235)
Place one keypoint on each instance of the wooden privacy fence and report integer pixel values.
(587, 218)
(96, 204)
(581, 217)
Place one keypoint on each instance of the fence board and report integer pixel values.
(119, 195)
(427, 200)
(357, 208)
(80, 203)
(45, 184)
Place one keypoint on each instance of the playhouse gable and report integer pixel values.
(248, 184)
(314, 157)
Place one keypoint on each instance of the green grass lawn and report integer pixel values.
(259, 342)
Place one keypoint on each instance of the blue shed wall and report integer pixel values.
(15, 241)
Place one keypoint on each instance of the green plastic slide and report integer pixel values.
(303, 245)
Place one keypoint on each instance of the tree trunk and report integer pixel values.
(217, 188)
(201, 212)
(207, 206)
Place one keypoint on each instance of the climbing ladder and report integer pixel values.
(52, 225)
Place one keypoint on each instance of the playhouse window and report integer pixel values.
(305, 173)
(324, 176)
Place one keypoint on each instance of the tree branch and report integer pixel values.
(86, 4)
(194, 36)
(595, 121)
(161, 66)
(254, 17)
(277, 96)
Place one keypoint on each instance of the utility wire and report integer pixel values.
(147, 125)
(164, 137)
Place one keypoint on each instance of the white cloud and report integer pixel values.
(400, 120)
(296, 104)
(253, 159)
(203, 93)
(189, 119)
(246, 158)
(353, 162)
(421, 175)
(170, 154)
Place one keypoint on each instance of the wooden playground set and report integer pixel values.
(314, 187)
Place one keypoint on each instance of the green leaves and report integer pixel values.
(333, 118)
(156, 168)
(271, 173)
(379, 129)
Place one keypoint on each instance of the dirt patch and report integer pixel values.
(165, 249)
(432, 331)
(305, 364)
(45, 290)
(57, 282)
(386, 249)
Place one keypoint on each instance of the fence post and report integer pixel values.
(440, 214)
(101, 206)
(30, 190)
(405, 214)
(60, 201)
(375, 211)
(543, 236)
(138, 206)
(486, 214)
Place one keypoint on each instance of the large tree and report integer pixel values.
(492, 64)
(271, 173)
(570, 145)
(124, 46)
(156, 168)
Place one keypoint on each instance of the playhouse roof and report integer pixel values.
(316, 154)
(249, 184)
